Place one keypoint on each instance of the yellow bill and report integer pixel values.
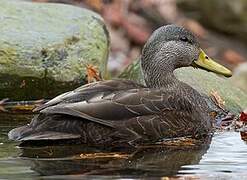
(204, 62)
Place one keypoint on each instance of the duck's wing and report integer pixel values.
(129, 113)
(88, 91)
(109, 107)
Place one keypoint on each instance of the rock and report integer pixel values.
(204, 82)
(240, 77)
(213, 13)
(44, 48)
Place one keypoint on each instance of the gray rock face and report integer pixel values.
(204, 82)
(44, 48)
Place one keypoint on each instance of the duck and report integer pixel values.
(121, 112)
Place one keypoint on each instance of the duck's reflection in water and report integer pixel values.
(155, 161)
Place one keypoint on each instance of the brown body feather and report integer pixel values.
(117, 112)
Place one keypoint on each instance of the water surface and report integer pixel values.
(224, 156)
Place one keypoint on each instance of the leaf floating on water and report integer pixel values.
(217, 99)
(104, 155)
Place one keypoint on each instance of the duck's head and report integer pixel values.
(171, 47)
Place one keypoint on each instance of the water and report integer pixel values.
(225, 157)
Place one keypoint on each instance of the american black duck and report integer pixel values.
(122, 112)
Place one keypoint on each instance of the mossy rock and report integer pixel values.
(45, 47)
(203, 81)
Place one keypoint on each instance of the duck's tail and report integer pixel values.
(42, 131)
(25, 133)
(19, 133)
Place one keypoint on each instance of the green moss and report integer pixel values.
(8, 56)
(71, 40)
(133, 72)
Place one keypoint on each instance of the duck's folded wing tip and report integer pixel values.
(18, 133)
(48, 135)
(25, 133)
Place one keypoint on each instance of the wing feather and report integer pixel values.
(110, 102)
(88, 91)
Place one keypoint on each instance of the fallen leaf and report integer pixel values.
(92, 73)
(243, 117)
(213, 114)
(217, 99)
(95, 4)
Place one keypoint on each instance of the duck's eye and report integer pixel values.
(185, 39)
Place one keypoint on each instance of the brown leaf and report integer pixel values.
(243, 117)
(217, 99)
(92, 73)
(95, 4)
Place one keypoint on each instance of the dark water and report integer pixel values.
(223, 157)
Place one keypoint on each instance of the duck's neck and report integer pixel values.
(163, 81)
(160, 75)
